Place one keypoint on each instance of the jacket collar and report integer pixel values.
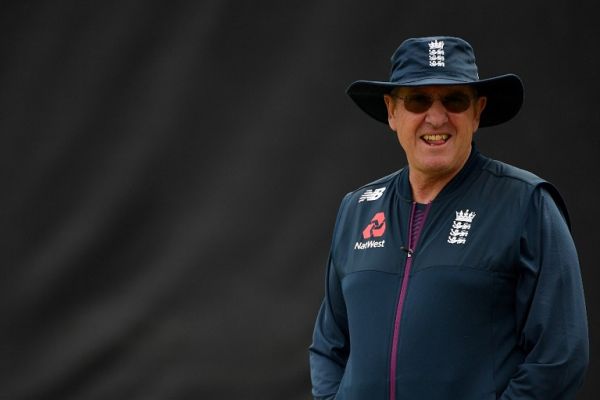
(475, 160)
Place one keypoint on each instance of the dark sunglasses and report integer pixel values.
(419, 102)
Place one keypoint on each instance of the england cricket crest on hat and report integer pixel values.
(461, 227)
(437, 57)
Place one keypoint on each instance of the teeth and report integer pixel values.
(435, 137)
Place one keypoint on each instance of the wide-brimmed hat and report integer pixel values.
(440, 60)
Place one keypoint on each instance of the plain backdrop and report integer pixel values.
(171, 172)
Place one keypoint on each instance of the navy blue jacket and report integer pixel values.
(486, 304)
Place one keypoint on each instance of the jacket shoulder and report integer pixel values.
(501, 169)
(375, 189)
(504, 170)
(378, 189)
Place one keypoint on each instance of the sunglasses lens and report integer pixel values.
(417, 103)
(456, 102)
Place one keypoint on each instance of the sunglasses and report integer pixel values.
(419, 102)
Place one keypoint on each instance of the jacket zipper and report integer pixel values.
(402, 296)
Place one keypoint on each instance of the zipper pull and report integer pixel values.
(408, 251)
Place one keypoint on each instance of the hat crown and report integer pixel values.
(440, 60)
(435, 57)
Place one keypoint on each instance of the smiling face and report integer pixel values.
(437, 140)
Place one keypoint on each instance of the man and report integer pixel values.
(455, 278)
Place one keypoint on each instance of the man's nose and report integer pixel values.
(437, 115)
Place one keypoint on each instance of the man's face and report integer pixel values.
(437, 139)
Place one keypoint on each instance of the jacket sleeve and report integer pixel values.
(330, 347)
(550, 307)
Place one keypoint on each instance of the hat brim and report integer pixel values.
(504, 96)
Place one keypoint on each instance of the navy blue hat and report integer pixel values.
(440, 60)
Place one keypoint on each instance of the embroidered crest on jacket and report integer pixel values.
(461, 226)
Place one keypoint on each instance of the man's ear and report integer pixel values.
(480, 104)
(390, 104)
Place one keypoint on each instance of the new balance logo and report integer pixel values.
(371, 195)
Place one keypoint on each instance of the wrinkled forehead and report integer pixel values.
(435, 90)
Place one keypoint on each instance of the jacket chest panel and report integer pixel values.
(459, 235)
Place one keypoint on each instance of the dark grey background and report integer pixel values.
(171, 173)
